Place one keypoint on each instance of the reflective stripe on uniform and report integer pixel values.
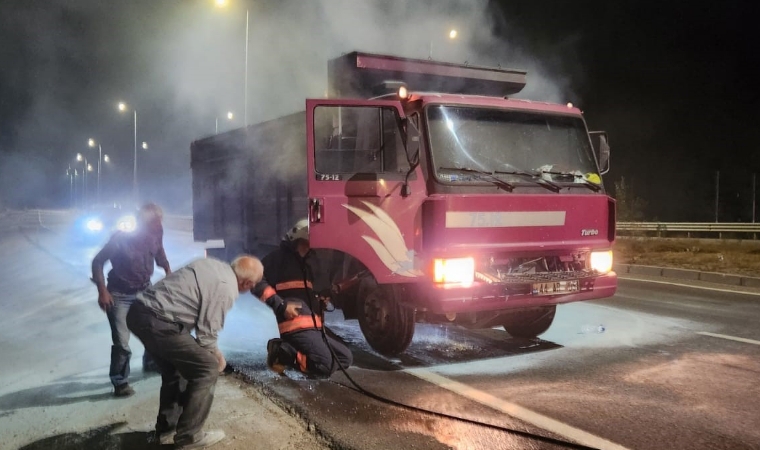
(268, 292)
(299, 323)
(297, 284)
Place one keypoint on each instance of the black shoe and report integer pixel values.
(273, 353)
(123, 390)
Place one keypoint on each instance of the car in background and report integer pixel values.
(98, 223)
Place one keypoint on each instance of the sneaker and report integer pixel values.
(123, 390)
(273, 352)
(209, 438)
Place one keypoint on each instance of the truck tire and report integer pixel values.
(387, 326)
(529, 323)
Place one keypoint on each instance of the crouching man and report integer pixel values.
(195, 297)
(287, 289)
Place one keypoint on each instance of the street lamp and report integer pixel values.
(453, 33)
(71, 173)
(230, 116)
(91, 142)
(123, 108)
(222, 4)
(83, 158)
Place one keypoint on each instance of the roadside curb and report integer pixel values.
(688, 275)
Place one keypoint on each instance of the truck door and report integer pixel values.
(357, 167)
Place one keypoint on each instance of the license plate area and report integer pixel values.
(556, 287)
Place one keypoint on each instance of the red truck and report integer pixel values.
(432, 196)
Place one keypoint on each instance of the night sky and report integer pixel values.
(673, 83)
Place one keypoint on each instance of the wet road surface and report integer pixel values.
(667, 372)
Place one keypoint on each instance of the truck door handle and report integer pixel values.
(316, 208)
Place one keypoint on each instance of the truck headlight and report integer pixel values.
(455, 270)
(601, 261)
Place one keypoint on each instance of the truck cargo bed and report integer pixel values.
(249, 184)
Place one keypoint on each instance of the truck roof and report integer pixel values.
(359, 74)
(497, 102)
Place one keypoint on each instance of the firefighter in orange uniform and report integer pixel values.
(287, 289)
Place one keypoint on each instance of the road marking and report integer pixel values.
(730, 338)
(516, 411)
(731, 291)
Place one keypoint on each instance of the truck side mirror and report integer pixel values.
(602, 149)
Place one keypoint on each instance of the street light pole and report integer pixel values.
(245, 114)
(134, 169)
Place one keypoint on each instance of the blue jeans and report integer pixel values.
(120, 352)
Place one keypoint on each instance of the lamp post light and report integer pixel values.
(123, 108)
(91, 142)
(453, 33)
(222, 4)
(230, 116)
(82, 158)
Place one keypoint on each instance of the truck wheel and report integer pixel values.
(387, 326)
(529, 323)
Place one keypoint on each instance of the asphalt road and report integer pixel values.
(667, 372)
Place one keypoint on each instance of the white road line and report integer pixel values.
(690, 286)
(731, 338)
(516, 411)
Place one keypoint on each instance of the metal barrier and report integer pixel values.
(15, 220)
(690, 229)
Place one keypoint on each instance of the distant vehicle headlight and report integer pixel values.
(94, 225)
(454, 270)
(126, 223)
(601, 261)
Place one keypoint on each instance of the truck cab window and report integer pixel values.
(358, 140)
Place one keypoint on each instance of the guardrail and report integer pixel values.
(15, 220)
(690, 229)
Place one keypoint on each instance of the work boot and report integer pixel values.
(123, 390)
(208, 439)
(274, 361)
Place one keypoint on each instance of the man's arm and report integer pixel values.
(104, 297)
(161, 259)
(268, 295)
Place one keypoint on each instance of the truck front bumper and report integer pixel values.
(441, 299)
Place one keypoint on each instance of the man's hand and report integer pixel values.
(292, 310)
(105, 301)
(222, 363)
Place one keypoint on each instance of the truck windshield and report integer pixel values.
(555, 148)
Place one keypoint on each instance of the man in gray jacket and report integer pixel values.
(195, 297)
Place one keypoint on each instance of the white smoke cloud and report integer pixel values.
(181, 64)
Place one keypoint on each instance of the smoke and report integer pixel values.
(181, 65)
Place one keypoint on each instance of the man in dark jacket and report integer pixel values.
(132, 255)
(287, 288)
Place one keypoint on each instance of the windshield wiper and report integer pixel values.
(484, 176)
(593, 186)
(534, 177)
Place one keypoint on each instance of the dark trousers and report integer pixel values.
(188, 373)
(312, 355)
